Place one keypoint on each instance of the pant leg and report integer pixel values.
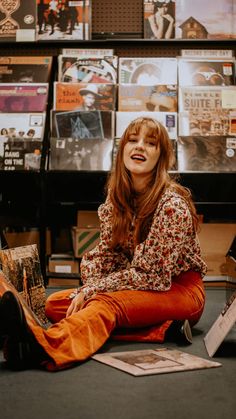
(80, 335)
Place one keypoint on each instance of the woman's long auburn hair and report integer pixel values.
(127, 203)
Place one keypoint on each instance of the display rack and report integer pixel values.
(50, 199)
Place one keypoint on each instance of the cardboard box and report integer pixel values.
(63, 263)
(24, 238)
(215, 240)
(86, 234)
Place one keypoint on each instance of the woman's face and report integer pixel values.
(140, 156)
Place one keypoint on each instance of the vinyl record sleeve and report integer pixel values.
(23, 97)
(159, 20)
(87, 70)
(204, 20)
(207, 72)
(82, 124)
(63, 20)
(206, 154)
(25, 125)
(17, 20)
(71, 96)
(168, 119)
(80, 154)
(147, 70)
(20, 153)
(159, 98)
(25, 69)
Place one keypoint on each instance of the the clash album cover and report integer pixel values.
(84, 96)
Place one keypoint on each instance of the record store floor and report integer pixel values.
(95, 391)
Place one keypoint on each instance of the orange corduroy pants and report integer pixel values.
(127, 315)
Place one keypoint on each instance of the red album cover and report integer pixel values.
(84, 96)
(17, 20)
(29, 97)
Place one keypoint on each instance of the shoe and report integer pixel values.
(180, 332)
(21, 349)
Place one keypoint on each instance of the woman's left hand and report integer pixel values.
(76, 304)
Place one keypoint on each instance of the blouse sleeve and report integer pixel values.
(156, 258)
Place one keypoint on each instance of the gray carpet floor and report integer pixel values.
(95, 391)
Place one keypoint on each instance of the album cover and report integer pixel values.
(25, 69)
(22, 125)
(87, 70)
(63, 20)
(221, 327)
(21, 268)
(147, 70)
(204, 20)
(17, 20)
(80, 154)
(207, 72)
(17, 153)
(207, 111)
(159, 19)
(84, 96)
(206, 154)
(23, 97)
(82, 124)
(168, 119)
(158, 98)
(154, 361)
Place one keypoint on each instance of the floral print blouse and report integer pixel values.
(170, 248)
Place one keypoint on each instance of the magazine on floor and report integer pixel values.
(154, 361)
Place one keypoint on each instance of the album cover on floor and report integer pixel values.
(221, 327)
(154, 361)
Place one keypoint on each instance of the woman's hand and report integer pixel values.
(76, 304)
